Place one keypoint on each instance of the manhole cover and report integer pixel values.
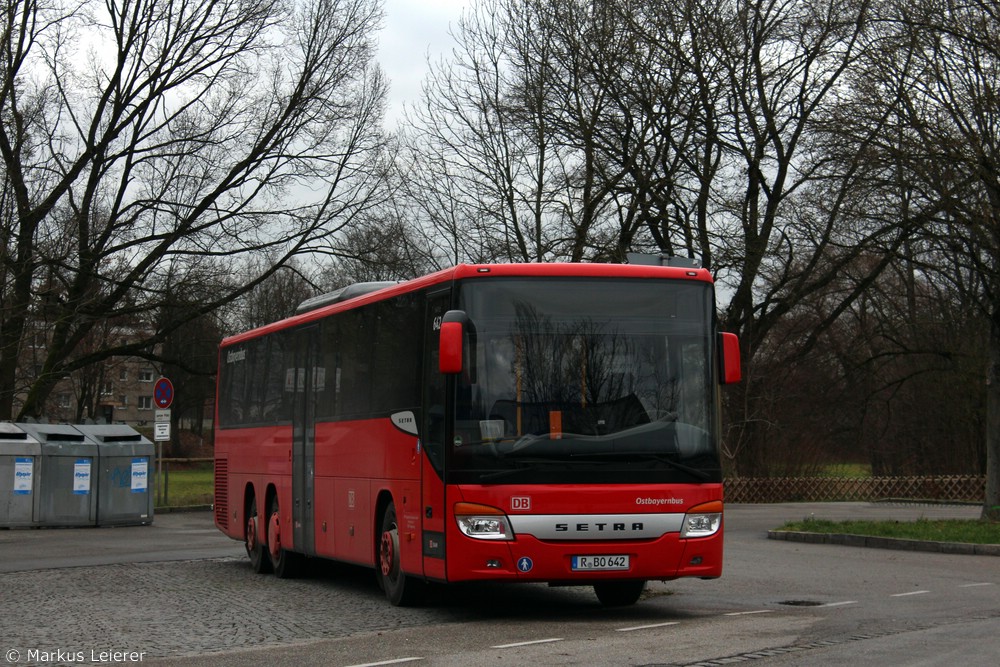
(801, 603)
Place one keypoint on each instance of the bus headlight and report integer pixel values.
(702, 520)
(483, 522)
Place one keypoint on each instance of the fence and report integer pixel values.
(955, 488)
(188, 487)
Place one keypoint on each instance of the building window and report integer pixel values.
(107, 389)
(123, 400)
(123, 374)
(146, 375)
(63, 401)
(145, 402)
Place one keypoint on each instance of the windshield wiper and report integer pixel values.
(659, 458)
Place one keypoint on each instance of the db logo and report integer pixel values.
(520, 503)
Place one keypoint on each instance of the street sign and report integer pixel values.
(163, 393)
(161, 426)
(161, 432)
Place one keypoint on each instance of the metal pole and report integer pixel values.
(159, 474)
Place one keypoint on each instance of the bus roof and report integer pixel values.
(464, 271)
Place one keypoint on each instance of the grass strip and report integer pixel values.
(934, 530)
(185, 488)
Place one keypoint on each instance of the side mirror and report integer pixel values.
(451, 343)
(729, 350)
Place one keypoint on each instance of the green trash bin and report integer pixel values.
(67, 493)
(124, 474)
(19, 459)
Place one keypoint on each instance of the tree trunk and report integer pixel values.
(991, 503)
(10, 347)
(14, 324)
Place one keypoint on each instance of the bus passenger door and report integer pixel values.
(309, 378)
(433, 434)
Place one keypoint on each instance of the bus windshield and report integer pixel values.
(584, 381)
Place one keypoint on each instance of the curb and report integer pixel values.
(885, 543)
(172, 509)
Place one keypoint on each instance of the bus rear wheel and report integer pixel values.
(259, 559)
(286, 563)
(619, 593)
(401, 590)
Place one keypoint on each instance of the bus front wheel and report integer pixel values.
(619, 593)
(401, 590)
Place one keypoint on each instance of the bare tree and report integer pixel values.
(273, 298)
(138, 134)
(517, 147)
(779, 140)
(946, 96)
(470, 164)
(758, 177)
(383, 248)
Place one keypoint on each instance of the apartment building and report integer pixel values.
(120, 391)
(117, 390)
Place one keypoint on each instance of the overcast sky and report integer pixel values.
(413, 29)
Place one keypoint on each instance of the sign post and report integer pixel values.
(163, 397)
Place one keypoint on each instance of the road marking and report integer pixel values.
(984, 583)
(388, 662)
(537, 641)
(839, 604)
(648, 627)
(748, 613)
(903, 595)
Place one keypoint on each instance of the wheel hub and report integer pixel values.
(251, 533)
(274, 536)
(387, 555)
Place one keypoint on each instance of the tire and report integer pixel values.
(619, 593)
(286, 564)
(400, 590)
(260, 561)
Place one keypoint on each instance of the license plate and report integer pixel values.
(600, 563)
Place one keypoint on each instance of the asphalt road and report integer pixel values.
(180, 593)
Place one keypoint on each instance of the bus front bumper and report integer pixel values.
(529, 559)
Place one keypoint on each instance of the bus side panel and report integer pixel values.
(260, 457)
(228, 494)
(325, 528)
(327, 542)
(409, 518)
(342, 524)
(355, 461)
(368, 448)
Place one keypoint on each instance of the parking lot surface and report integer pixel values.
(180, 588)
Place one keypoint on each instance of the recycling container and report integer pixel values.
(19, 460)
(124, 471)
(67, 493)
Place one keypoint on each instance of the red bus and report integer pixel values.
(526, 423)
